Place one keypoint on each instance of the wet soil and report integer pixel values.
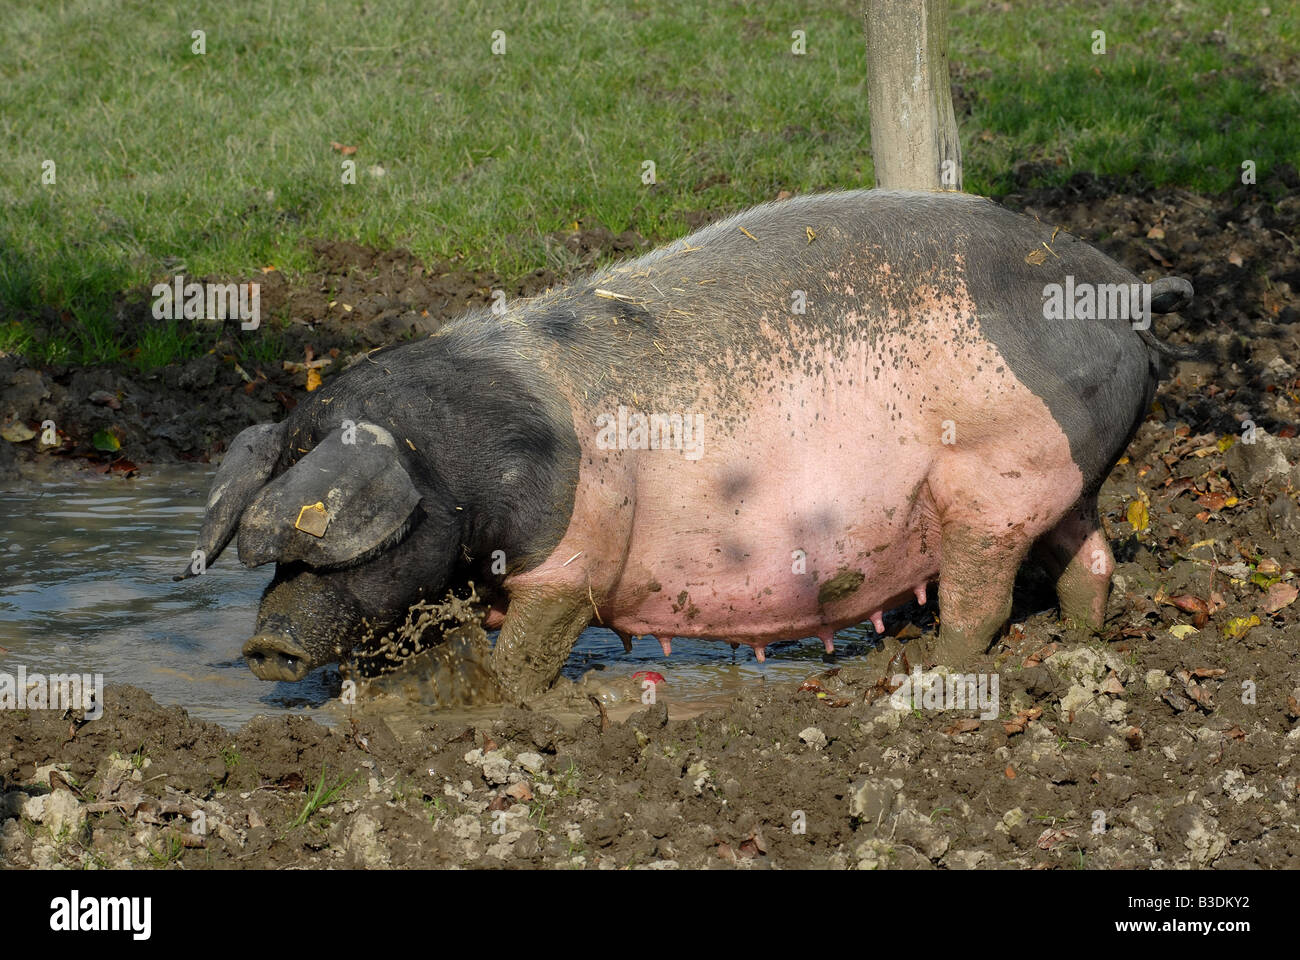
(1171, 741)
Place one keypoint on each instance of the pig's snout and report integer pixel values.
(275, 656)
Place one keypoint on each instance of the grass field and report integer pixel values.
(221, 162)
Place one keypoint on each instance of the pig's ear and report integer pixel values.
(348, 497)
(242, 474)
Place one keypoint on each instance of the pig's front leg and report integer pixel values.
(542, 624)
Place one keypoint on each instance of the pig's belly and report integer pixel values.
(765, 541)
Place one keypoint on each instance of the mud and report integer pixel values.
(1170, 741)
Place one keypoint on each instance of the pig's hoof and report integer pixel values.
(275, 656)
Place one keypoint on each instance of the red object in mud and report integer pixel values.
(648, 675)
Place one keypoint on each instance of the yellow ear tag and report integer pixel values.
(313, 519)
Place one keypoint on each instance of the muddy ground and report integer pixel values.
(1169, 742)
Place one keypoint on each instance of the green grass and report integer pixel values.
(321, 796)
(169, 850)
(221, 164)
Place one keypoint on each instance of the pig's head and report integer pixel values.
(354, 542)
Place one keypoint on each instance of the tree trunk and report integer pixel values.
(913, 128)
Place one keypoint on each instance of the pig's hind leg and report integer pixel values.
(541, 626)
(1077, 555)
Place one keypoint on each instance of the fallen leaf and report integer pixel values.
(1021, 720)
(963, 726)
(313, 379)
(1200, 695)
(1214, 502)
(1134, 738)
(1279, 595)
(1238, 627)
(346, 151)
(1181, 631)
(1193, 605)
(1137, 515)
(106, 441)
(752, 847)
(17, 432)
(1049, 838)
(1176, 700)
(1041, 654)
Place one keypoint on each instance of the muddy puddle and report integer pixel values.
(86, 569)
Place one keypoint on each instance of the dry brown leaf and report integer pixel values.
(1049, 838)
(1041, 654)
(1199, 609)
(1022, 719)
(1279, 595)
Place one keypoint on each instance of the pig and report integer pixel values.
(784, 424)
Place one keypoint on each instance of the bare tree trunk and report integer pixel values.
(913, 128)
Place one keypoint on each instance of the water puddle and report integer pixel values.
(86, 586)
